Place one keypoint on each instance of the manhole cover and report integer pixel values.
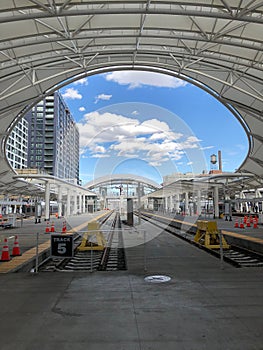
(157, 279)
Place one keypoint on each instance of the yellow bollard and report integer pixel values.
(207, 235)
(93, 230)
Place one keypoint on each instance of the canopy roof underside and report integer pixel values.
(121, 179)
(216, 45)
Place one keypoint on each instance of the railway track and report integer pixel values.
(243, 258)
(236, 256)
(110, 259)
(113, 257)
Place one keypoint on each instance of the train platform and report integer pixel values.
(31, 235)
(248, 237)
(200, 305)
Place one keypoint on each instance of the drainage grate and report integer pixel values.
(157, 279)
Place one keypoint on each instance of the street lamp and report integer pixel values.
(213, 159)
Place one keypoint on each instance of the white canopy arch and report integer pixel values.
(215, 44)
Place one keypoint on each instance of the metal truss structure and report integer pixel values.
(214, 44)
(116, 179)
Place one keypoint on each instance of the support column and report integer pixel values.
(80, 203)
(83, 204)
(216, 204)
(186, 196)
(20, 205)
(198, 204)
(177, 203)
(139, 203)
(243, 204)
(75, 204)
(171, 206)
(59, 201)
(166, 204)
(68, 203)
(47, 200)
(7, 205)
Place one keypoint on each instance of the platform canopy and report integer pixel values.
(122, 179)
(229, 184)
(217, 45)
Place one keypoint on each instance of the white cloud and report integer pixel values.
(99, 155)
(155, 164)
(72, 93)
(103, 97)
(131, 155)
(193, 139)
(137, 79)
(108, 134)
(206, 147)
(82, 109)
(83, 81)
(98, 149)
(169, 135)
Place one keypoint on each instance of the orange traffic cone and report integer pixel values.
(5, 251)
(64, 228)
(255, 225)
(245, 219)
(248, 223)
(241, 224)
(16, 249)
(47, 228)
(236, 224)
(52, 229)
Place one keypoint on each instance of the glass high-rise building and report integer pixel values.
(17, 145)
(53, 139)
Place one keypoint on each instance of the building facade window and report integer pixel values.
(54, 139)
(17, 145)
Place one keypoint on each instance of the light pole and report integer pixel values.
(213, 160)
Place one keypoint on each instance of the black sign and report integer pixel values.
(62, 246)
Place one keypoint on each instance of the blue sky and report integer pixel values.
(150, 125)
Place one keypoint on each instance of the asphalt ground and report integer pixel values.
(204, 305)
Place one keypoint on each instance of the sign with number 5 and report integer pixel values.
(61, 246)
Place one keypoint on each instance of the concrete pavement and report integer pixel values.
(202, 307)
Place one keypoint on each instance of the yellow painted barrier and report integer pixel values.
(87, 244)
(207, 234)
